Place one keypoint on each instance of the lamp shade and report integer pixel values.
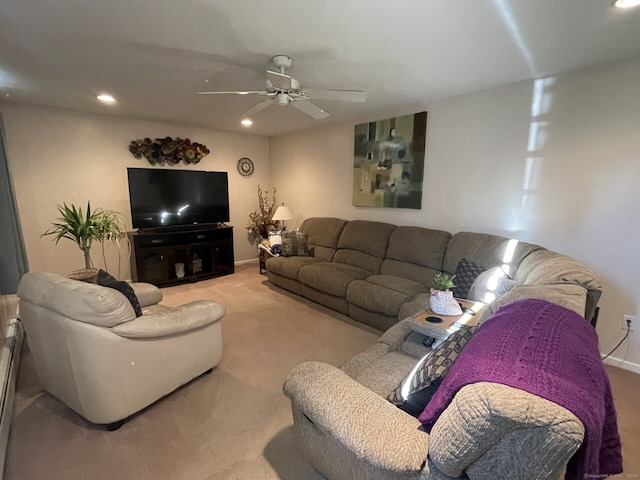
(282, 213)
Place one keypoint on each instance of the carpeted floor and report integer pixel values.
(234, 423)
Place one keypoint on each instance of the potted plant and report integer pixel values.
(441, 300)
(261, 222)
(85, 228)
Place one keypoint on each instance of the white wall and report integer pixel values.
(554, 162)
(58, 156)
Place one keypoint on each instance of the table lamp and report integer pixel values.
(282, 213)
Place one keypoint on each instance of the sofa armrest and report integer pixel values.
(495, 431)
(172, 321)
(364, 422)
(147, 294)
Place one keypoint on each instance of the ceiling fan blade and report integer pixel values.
(282, 81)
(257, 108)
(309, 108)
(337, 95)
(242, 92)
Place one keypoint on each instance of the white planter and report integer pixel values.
(443, 303)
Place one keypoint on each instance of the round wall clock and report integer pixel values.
(245, 167)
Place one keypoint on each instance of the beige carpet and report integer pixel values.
(234, 423)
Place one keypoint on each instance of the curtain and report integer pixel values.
(13, 256)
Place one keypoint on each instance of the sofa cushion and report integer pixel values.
(572, 297)
(416, 389)
(547, 267)
(106, 280)
(289, 266)
(330, 277)
(323, 234)
(379, 368)
(466, 273)
(423, 275)
(367, 237)
(418, 246)
(383, 293)
(82, 301)
(486, 250)
(147, 293)
(358, 259)
(363, 244)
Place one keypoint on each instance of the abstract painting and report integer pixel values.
(388, 162)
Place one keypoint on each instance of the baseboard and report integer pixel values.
(242, 262)
(624, 364)
(9, 362)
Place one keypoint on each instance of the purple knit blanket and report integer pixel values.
(552, 352)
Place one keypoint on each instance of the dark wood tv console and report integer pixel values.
(205, 251)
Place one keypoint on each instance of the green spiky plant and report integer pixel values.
(85, 228)
(443, 281)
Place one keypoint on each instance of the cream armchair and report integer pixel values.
(91, 351)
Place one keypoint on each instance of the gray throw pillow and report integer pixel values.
(466, 273)
(490, 285)
(295, 244)
(416, 389)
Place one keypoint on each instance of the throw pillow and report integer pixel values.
(416, 389)
(107, 280)
(490, 285)
(466, 273)
(295, 244)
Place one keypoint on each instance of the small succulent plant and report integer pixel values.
(443, 281)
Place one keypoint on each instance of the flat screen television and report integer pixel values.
(169, 198)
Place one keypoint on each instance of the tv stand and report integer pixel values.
(205, 250)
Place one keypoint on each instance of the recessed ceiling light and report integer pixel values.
(626, 3)
(106, 98)
(246, 122)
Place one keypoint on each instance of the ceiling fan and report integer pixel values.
(283, 89)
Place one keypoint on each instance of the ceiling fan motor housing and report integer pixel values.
(282, 99)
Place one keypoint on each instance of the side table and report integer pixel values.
(440, 327)
(262, 258)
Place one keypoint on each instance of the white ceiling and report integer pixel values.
(153, 55)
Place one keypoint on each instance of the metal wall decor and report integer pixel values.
(168, 150)
(245, 167)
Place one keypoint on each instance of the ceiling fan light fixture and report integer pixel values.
(282, 99)
(106, 98)
(626, 3)
(246, 122)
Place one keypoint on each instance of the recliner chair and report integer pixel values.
(95, 355)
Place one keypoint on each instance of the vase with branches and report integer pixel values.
(261, 221)
(84, 228)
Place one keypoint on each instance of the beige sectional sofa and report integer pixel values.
(380, 274)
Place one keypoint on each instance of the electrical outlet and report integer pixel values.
(624, 321)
